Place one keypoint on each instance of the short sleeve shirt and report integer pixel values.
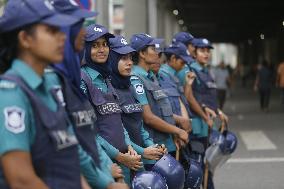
(17, 128)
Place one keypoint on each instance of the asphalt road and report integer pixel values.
(258, 162)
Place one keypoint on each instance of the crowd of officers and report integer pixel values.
(82, 108)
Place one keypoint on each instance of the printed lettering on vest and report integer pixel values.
(109, 108)
(133, 108)
(63, 139)
(83, 118)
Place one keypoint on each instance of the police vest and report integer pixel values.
(83, 117)
(132, 114)
(174, 89)
(160, 106)
(108, 111)
(54, 152)
(205, 92)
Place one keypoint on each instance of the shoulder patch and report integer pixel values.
(7, 84)
(14, 119)
(139, 88)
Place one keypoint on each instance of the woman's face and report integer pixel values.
(100, 50)
(45, 42)
(125, 65)
(179, 64)
(203, 55)
(80, 40)
(151, 55)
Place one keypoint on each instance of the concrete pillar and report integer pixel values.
(136, 19)
(153, 17)
(102, 6)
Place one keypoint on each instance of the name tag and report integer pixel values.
(159, 94)
(63, 139)
(83, 118)
(109, 108)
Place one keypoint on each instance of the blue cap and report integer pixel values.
(120, 45)
(19, 13)
(95, 31)
(139, 41)
(180, 50)
(183, 37)
(71, 7)
(202, 43)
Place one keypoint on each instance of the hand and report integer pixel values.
(84, 183)
(210, 113)
(189, 78)
(209, 122)
(183, 135)
(255, 88)
(223, 117)
(116, 171)
(117, 186)
(130, 161)
(153, 153)
(184, 123)
(131, 151)
(179, 143)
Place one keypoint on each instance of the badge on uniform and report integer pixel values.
(14, 119)
(139, 88)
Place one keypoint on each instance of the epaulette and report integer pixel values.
(48, 70)
(134, 77)
(4, 84)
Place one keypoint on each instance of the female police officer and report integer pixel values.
(36, 149)
(95, 164)
(96, 84)
(121, 63)
(204, 92)
(157, 114)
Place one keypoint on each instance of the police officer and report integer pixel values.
(96, 84)
(96, 166)
(36, 148)
(121, 63)
(204, 92)
(157, 114)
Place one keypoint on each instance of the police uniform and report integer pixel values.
(33, 116)
(132, 111)
(138, 85)
(117, 140)
(27, 104)
(93, 159)
(204, 91)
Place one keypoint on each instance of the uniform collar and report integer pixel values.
(32, 79)
(91, 72)
(140, 71)
(195, 65)
(168, 69)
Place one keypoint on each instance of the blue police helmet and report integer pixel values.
(71, 7)
(19, 13)
(180, 50)
(142, 40)
(202, 43)
(194, 175)
(231, 142)
(148, 179)
(183, 37)
(171, 170)
(120, 45)
(95, 31)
